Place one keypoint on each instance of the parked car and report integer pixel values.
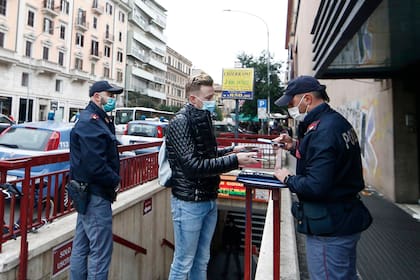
(222, 127)
(227, 130)
(144, 131)
(35, 139)
(5, 122)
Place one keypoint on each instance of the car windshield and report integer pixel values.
(5, 120)
(26, 138)
(123, 116)
(140, 129)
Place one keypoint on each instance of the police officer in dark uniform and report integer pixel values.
(327, 182)
(94, 162)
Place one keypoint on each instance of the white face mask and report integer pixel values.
(296, 114)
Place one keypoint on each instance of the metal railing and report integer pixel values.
(45, 193)
(265, 151)
(35, 200)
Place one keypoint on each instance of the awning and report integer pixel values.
(245, 118)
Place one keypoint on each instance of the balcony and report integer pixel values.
(137, 54)
(157, 64)
(145, 8)
(47, 67)
(79, 75)
(108, 38)
(8, 57)
(156, 94)
(160, 20)
(141, 38)
(81, 24)
(137, 20)
(97, 10)
(160, 51)
(157, 33)
(48, 9)
(160, 80)
(141, 73)
(95, 56)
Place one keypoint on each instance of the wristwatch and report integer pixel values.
(286, 179)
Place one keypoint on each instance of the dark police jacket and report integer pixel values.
(329, 168)
(195, 160)
(94, 157)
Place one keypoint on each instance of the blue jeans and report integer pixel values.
(332, 257)
(92, 243)
(194, 225)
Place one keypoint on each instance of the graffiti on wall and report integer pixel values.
(363, 121)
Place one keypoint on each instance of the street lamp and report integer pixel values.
(268, 53)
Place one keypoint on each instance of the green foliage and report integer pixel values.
(249, 108)
(219, 114)
(164, 107)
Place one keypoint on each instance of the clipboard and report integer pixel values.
(260, 179)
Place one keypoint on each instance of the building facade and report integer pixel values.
(178, 72)
(51, 51)
(365, 51)
(146, 51)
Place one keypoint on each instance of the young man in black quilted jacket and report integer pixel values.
(196, 164)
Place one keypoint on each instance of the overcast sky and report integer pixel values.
(211, 39)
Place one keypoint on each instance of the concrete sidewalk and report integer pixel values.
(390, 248)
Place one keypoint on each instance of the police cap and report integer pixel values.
(100, 86)
(301, 84)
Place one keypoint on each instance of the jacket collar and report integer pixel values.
(195, 111)
(311, 117)
(316, 113)
(95, 108)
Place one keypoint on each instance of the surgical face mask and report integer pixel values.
(296, 114)
(208, 105)
(110, 104)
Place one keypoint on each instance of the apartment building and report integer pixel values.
(51, 51)
(178, 72)
(146, 50)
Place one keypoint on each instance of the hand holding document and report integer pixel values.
(269, 141)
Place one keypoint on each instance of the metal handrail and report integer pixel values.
(31, 201)
(135, 170)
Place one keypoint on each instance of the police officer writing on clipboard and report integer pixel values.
(327, 181)
(95, 163)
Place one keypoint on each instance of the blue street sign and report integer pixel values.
(262, 103)
(237, 95)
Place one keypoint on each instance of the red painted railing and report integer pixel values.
(38, 202)
(43, 207)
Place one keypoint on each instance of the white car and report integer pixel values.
(143, 132)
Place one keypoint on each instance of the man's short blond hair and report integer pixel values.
(195, 82)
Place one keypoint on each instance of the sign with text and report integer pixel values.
(61, 257)
(147, 206)
(262, 108)
(238, 83)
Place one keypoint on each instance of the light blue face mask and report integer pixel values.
(110, 104)
(209, 105)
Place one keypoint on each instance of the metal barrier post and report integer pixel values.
(24, 225)
(2, 217)
(276, 195)
(248, 234)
